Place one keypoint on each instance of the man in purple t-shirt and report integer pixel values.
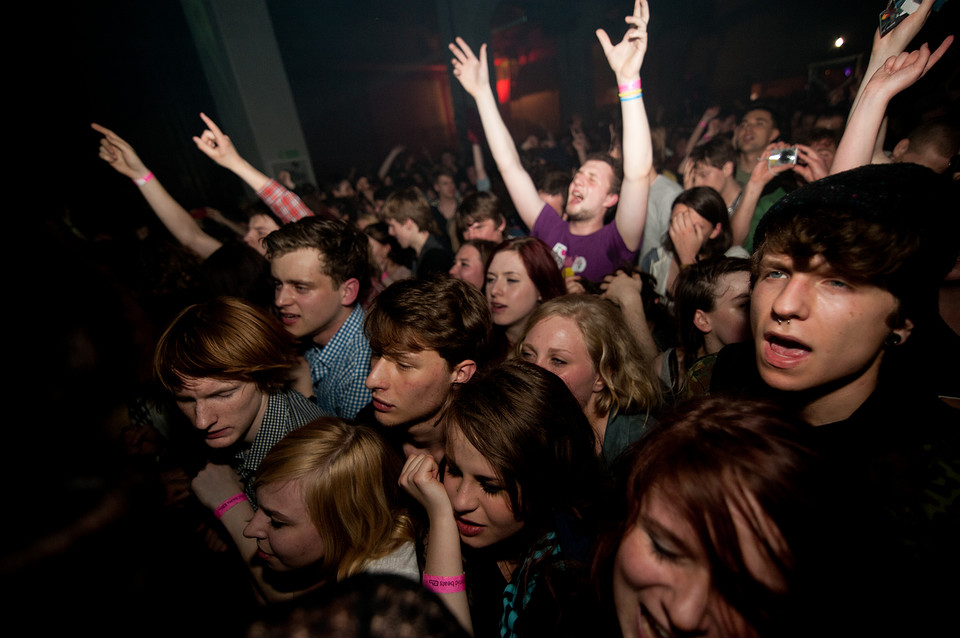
(581, 243)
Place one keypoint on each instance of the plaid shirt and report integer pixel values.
(340, 368)
(284, 204)
(286, 411)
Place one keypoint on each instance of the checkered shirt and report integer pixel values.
(286, 411)
(339, 369)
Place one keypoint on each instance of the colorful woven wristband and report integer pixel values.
(228, 504)
(630, 86)
(445, 584)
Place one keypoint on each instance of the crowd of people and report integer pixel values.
(708, 392)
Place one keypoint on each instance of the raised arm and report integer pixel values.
(897, 73)
(223, 220)
(474, 77)
(116, 152)
(483, 180)
(625, 60)
(892, 44)
(218, 147)
(760, 176)
(389, 160)
(709, 118)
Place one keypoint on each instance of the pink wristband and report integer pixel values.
(630, 86)
(228, 504)
(445, 584)
(140, 181)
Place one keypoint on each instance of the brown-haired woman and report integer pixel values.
(520, 476)
(728, 526)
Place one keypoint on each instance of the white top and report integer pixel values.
(663, 191)
(402, 562)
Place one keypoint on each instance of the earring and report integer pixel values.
(893, 339)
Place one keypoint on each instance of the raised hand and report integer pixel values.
(217, 146)
(116, 152)
(901, 71)
(626, 58)
(284, 178)
(580, 142)
(896, 41)
(711, 113)
(713, 127)
(469, 69)
(421, 479)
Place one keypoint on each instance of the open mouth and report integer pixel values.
(782, 352)
(648, 627)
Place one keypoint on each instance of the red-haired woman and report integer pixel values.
(521, 274)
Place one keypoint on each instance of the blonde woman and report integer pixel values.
(330, 507)
(585, 341)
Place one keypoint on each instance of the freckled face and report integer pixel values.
(226, 411)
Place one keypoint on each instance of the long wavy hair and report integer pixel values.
(630, 384)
